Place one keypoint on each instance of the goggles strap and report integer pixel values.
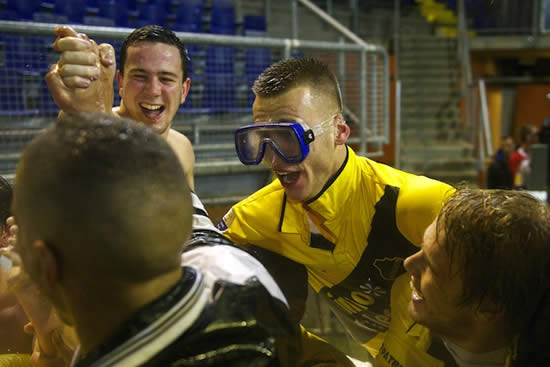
(308, 136)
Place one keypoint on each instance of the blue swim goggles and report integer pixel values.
(290, 140)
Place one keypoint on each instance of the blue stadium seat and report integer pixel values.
(24, 8)
(98, 21)
(7, 13)
(223, 15)
(153, 14)
(254, 25)
(115, 10)
(256, 59)
(189, 16)
(74, 10)
(49, 17)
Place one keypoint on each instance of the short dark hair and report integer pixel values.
(6, 197)
(290, 73)
(155, 34)
(498, 241)
(107, 193)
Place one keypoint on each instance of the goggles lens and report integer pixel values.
(286, 139)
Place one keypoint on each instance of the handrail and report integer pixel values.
(397, 124)
(464, 45)
(485, 118)
(340, 27)
(203, 38)
(474, 94)
(396, 58)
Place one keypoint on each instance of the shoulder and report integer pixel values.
(419, 202)
(178, 141)
(181, 145)
(231, 264)
(257, 208)
(377, 173)
(267, 195)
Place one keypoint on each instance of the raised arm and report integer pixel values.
(82, 79)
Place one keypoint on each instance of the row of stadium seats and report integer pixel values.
(181, 15)
(221, 80)
(221, 76)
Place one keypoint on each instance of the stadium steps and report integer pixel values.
(431, 132)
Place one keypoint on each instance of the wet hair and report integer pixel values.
(6, 197)
(291, 73)
(155, 34)
(498, 243)
(108, 195)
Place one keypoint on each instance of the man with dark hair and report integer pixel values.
(477, 293)
(153, 81)
(349, 220)
(86, 235)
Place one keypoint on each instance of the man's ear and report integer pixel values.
(185, 89)
(46, 264)
(342, 131)
(119, 82)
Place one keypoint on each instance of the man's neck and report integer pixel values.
(466, 358)
(98, 317)
(482, 338)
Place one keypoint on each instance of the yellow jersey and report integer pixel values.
(369, 218)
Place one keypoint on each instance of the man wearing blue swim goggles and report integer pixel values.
(290, 140)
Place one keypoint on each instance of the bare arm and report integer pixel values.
(184, 151)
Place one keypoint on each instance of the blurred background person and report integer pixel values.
(499, 175)
(519, 159)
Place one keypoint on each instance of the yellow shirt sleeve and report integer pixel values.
(419, 202)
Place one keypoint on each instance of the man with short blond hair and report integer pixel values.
(349, 220)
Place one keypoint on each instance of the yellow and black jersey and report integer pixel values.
(407, 344)
(369, 217)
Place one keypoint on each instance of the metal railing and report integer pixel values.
(474, 96)
(27, 107)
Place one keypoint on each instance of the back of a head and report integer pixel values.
(108, 195)
(288, 74)
(500, 242)
(155, 34)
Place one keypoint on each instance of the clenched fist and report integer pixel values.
(82, 79)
